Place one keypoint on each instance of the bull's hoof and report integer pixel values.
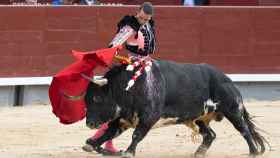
(127, 155)
(253, 155)
(106, 152)
(88, 148)
(199, 155)
(201, 152)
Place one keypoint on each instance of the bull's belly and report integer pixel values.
(182, 112)
(206, 118)
(163, 122)
(186, 114)
(177, 114)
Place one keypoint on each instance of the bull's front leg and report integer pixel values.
(114, 129)
(141, 130)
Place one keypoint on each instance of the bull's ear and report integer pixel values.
(101, 81)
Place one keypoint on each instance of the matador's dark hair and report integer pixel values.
(147, 7)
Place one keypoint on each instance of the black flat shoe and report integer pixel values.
(90, 147)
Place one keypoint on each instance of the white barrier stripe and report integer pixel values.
(254, 77)
(12, 81)
(25, 81)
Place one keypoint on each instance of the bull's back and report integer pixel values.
(186, 88)
(178, 76)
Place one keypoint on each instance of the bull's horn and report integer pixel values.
(101, 81)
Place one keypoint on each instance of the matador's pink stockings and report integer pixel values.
(108, 144)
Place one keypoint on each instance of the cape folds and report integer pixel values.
(68, 87)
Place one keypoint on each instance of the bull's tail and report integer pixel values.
(258, 139)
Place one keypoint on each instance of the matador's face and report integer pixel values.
(142, 17)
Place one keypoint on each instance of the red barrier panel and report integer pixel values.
(137, 2)
(235, 2)
(245, 2)
(37, 41)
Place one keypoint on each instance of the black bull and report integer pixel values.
(171, 91)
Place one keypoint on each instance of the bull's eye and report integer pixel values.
(97, 98)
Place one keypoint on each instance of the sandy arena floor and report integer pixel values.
(34, 132)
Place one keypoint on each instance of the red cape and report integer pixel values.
(68, 86)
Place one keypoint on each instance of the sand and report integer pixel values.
(34, 132)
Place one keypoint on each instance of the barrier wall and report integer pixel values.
(138, 2)
(245, 2)
(176, 2)
(235, 2)
(37, 41)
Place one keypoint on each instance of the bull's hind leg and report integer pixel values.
(208, 137)
(235, 117)
(231, 105)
